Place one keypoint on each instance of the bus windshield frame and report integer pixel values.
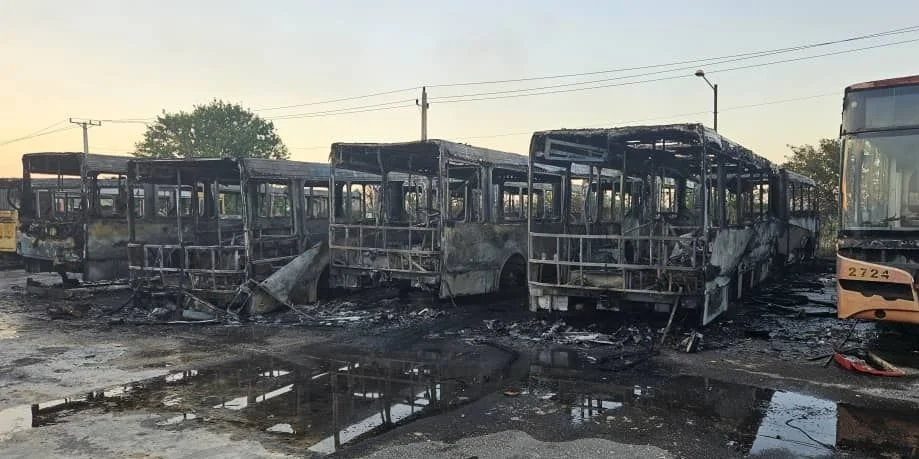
(880, 159)
(880, 181)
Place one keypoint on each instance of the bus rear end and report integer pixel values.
(878, 241)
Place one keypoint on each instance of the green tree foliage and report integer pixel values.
(217, 129)
(820, 163)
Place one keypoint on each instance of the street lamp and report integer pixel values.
(701, 74)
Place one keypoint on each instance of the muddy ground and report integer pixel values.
(382, 376)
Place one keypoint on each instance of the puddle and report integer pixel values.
(760, 422)
(316, 403)
(321, 404)
(177, 419)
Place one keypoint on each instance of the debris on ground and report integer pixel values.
(871, 365)
(71, 289)
(691, 343)
(559, 332)
(68, 311)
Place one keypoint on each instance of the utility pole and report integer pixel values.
(85, 124)
(424, 113)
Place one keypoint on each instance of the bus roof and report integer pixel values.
(72, 163)
(888, 83)
(417, 155)
(231, 169)
(682, 140)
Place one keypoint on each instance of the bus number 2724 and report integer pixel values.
(869, 273)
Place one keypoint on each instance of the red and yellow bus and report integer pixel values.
(878, 241)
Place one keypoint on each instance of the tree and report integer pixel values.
(822, 164)
(217, 129)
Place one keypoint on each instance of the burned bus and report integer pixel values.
(878, 240)
(203, 228)
(10, 206)
(445, 217)
(656, 216)
(68, 229)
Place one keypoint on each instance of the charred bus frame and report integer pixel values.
(655, 215)
(205, 227)
(81, 231)
(11, 206)
(446, 217)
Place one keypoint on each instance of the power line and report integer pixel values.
(32, 136)
(749, 55)
(752, 54)
(535, 91)
(834, 53)
(131, 120)
(625, 77)
(318, 115)
(34, 133)
(343, 99)
(555, 89)
(341, 110)
(620, 123)
(674, 77)
(704, 112)
(57, 123)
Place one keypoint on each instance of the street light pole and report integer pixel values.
(701, 74)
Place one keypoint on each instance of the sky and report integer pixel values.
(117, 60)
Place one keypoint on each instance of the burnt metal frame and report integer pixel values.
(611, 149)
(85, 168)
(434, 160)
(211, 177)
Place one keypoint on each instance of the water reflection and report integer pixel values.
(323, 404)
(177, 419)
(800, 423)
(317, 402)
(762, 422)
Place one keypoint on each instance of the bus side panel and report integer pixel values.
(106, 250)
(737, 252)
(475, 254)
(802, 239)
(63, 248)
